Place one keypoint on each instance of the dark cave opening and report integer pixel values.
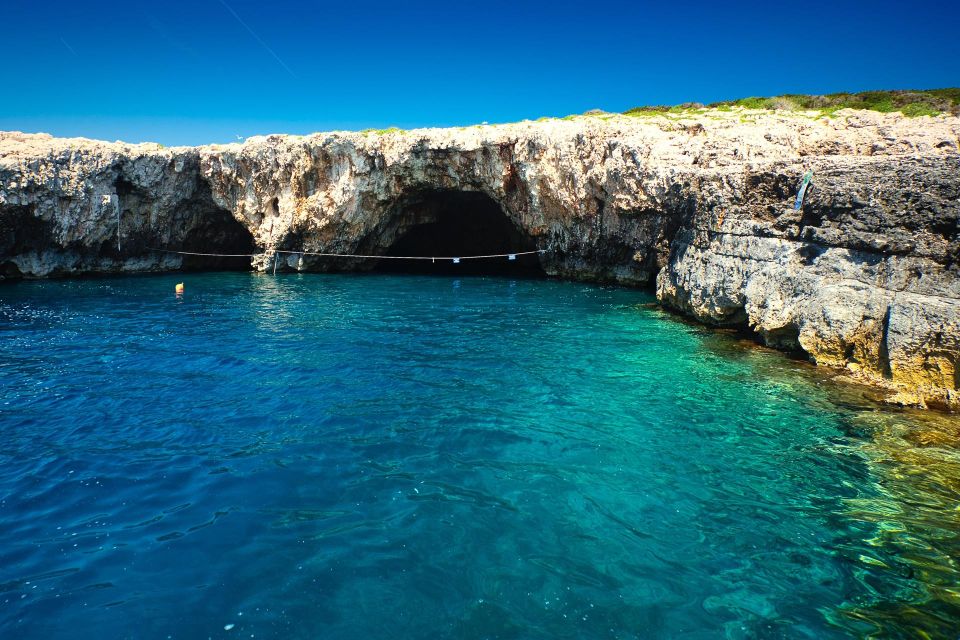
(217, 231)
(196, 224)
(456, 224)
(21, 231)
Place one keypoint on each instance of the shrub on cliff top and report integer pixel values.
(647, 111)
(381, 132)
(754, 103)
(927, 102)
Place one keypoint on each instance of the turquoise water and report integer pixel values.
(410, 457)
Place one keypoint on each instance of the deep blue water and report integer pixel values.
(333, 456)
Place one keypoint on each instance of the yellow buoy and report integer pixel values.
(179, 288)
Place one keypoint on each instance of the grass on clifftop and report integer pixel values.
(383, 132)
(926, 102)
(923, 102)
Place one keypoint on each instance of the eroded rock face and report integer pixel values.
(865, 276)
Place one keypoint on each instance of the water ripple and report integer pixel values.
(344, 456)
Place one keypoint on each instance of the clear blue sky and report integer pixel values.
(211, 70)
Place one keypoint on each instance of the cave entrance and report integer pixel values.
(457, 223)
(217, 231)
(196, 225)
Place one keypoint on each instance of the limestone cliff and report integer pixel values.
(865, 276)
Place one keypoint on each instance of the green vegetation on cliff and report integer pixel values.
(383, 132)
(926, 102)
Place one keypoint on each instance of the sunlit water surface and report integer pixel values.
(412, 457)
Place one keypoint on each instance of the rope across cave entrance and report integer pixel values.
(454, 259)
(435, 232)
(432, 259)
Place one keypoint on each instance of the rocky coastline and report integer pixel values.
(864, 277)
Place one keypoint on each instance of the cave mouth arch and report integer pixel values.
(457, 223)
(195, 225)
(217, 231)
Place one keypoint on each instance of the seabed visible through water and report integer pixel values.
(346, 456)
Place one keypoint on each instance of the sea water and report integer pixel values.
(344, 456)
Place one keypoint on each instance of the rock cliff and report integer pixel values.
(865, 276)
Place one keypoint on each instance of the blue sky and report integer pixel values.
(212, 70)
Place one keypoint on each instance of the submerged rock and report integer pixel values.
(864, 276)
